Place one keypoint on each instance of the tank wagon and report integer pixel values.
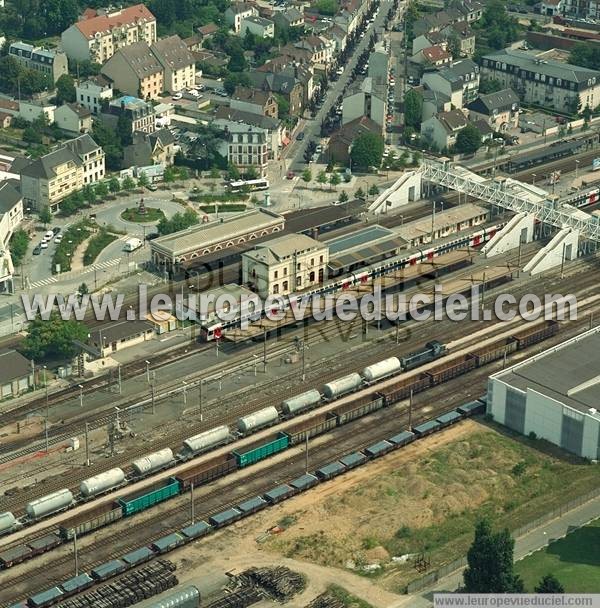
(301, 402)
(103, 482)
(342, 386)
(8, 522)
(258, 420)
(153, 462)
(223, 464)
(205, 441)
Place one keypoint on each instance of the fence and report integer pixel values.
(432, 577)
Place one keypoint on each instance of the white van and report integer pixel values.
(132, 245)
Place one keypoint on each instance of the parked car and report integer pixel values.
(38, 249)
(56, 230)
(300, 136)
(152, 187)
(177, 96)
(43, 245)
(58, 239)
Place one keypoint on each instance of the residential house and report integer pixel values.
(16, 374)
(499, 110)
(281, 84)
(321, 50)
(11, 211)
(178, 63)
(136, 71)
(427, 40)
(100, 33)
(9, 107)
(460, 81)
(94, 93)
(552, 84)
(440, 131)
(432, 56)
(31, 110)
(259, 26)
(193, 43)
(73, 118)
(207, 31)
(285, 264)
(460, 35)
(49, 179)
(226, 118)
(147, 149)
(471, 9)
(237, 12)
(337, 36)
(248, 147)
(368, 98)
(340, 142)
(139, 112)
(434, 103)
(253, 100)
(51, 63)
(91, 156)
(302, 73)
(5, 120)
(287, 18)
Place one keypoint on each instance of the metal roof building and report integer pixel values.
(182, 247)
(554, 394)
(365, 246)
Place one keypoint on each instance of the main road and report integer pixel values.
(312, 128)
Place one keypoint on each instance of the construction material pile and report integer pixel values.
(148, 581)
(326, 600)
(279, 583)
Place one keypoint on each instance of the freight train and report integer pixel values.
(246, 507)
(193, 446)
(206, 471)
(214, 330)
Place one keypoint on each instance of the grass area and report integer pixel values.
(346, 598)
(430, 504)
(72, 238)
(218, 198)
(574, 561)
(133, 214)
(96, 244)
(232, 208)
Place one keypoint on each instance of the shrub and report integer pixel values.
(97, 243)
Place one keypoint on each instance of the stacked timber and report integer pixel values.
(280, 583)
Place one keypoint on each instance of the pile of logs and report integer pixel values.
(279, 583)
(326, 600)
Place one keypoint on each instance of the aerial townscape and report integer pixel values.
(299, 303)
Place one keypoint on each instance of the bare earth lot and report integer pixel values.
(422, 499)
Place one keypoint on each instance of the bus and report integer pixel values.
(249, 185)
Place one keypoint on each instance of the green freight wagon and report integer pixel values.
(263, 451)
(150, 497)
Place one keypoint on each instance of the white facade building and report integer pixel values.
(94, 93)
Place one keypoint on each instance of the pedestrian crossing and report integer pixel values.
(43, 282)
(103, 265)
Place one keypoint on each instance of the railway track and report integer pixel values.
(215, 414)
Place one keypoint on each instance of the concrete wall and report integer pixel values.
(518, 229)
(565, 245)
(406, 189)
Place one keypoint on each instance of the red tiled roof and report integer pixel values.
(89, 13)
(104, 23)
(435, 54)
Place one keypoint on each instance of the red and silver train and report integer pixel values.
(212, 331)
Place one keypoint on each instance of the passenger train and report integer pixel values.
(214, 331)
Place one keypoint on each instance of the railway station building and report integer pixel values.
(16, 374)
(554, 394)
(187, 246)
(284, 265)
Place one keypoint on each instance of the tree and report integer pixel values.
(169, 175)
(413, 108)
(234, 80)
(184, 173)
(82, 291)
(468, 140)
(343, 198)
(53, 338)
(180, 221)
(114, 185)
(322, 177)
(101, 190)
(374, 190)
(251, 173)
(45, 215)
(283, 106)
(490, 85)
(143, 180)
(327, 7)
(32, 136)
(549, 584)
(65, 90)
(18, 246)
(233, 173)
(490, 562)
(307, 175)
(128, 184)
(89, 194)
(214, 173)
(367, 151)
(335, 179)
(360, 194)
(124, 130)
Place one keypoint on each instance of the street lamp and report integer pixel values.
(47, 407)
(80, 395)
(148, 371)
